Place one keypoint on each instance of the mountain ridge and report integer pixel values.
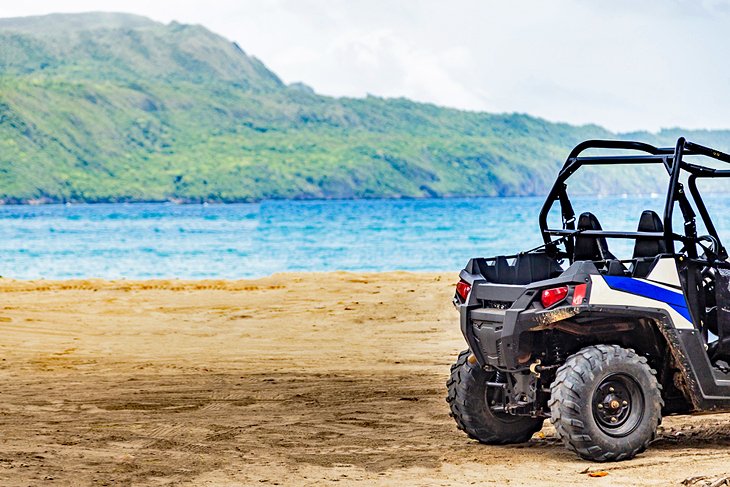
(84, 20)
(102, 107)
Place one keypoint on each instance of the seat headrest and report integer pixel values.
(588, 221)
(588, 247)
(650, 222)
(649, 247)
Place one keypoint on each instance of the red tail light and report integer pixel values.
(462, 289)
(579, 294)
(555, 295)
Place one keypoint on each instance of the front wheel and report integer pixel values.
(469, 399)
(605, 403)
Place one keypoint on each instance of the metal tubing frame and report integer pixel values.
(671, 158)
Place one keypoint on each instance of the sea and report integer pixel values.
(233, 241)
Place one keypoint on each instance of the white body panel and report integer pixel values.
(665, 271)
(601, 293)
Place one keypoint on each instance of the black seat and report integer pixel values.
(646, 249)
(589, 247)
(524, 269)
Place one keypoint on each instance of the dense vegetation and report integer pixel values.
(116, 107)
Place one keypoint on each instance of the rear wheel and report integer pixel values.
(469, 399)
(606, 403)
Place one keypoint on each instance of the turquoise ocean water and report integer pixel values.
(138, 241)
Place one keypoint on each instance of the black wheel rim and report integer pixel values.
(618, 405)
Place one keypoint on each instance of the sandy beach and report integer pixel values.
(295, 379)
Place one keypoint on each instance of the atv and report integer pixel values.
(603, 347)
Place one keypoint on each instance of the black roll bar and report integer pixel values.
(670, 157)
(672, 193)
(573, 162)
(617, 144)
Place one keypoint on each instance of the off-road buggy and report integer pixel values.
(601, 346)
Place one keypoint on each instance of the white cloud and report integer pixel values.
(390, 65)
(623, 64)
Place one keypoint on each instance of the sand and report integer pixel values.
(297, 379)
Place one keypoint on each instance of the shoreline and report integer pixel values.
(194, 202)
(10, 284)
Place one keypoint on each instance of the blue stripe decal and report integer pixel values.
(683, 311)
(641, 288)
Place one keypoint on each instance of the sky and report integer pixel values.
(622, 64)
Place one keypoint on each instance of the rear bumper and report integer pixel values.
(484, 336)
(483, 327)
(494, 336)
(492, 333)
(495, 316)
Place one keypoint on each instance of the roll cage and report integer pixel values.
(672, 160)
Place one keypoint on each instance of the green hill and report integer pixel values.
(115, 107)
